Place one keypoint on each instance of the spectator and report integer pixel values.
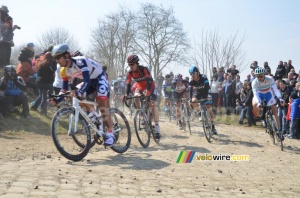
(289, 78)
(30, 46)
(238, 107)
(268, 72)
(295, 75)
(13, 86)
(267, 67)
(243, 94)
(25, 69)
(280, 71)
(233, 71)
(295, 117)
(249, 107)
(214, 91)
(254, 65)
(4, 103)
(289, 67)
(248, 79)
(220, 75)
(288, 116)
(283, 107)
(6, 36)
(291, 86)
(297, 89)
(45, 79)
(230, 93)
(159, 81)
(253, 76)
(215, 72)
(220, 95)
(238, 87)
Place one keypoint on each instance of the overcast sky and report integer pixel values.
(272, 27)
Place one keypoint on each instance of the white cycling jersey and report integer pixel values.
(81, 64)
(265, 87)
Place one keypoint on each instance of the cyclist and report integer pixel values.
(145, 84)
(263, 87)
(167, 90)
(180, 88)
(94, 80)
(199, 88)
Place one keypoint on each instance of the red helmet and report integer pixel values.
(133, 59)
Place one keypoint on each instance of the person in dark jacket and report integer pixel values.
(267, 67)
(283, 107)
(13, 86)
(248, 105)
(45, 77)
(280, 71)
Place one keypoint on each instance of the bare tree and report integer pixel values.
(112, 39)
(160, 37)
(54, 36)
(216, 51)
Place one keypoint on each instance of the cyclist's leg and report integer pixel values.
(103, 103)
(155, 113)
(137, 92)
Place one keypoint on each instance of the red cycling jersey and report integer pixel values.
(142, 77)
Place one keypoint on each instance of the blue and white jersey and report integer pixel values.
(81, 64)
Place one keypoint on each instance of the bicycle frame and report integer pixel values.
(78, 110)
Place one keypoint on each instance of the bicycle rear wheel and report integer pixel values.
(73, 145)
(142, 130)
(121, 130)
(207, 126)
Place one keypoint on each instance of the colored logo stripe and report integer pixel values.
(190, 157)
(185, 156)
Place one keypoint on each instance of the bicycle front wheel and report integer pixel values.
(207, 126)
(277, 135)
(73, 145)
(142, 129)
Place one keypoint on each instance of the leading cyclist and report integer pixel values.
(94, 79)
(200, 85)
(264, 88)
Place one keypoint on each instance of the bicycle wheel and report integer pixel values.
(152, 127)
(142, 131)
(277, 134)
(271, 128)
(121, 130)
(73, 145)
(207, 127)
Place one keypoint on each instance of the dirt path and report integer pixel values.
(30, 166)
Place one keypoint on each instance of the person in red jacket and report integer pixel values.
(25, 70)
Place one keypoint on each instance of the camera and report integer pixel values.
(17, 27)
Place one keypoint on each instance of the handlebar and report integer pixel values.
(132, 97)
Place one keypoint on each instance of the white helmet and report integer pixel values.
(259, 70)
(59, 49)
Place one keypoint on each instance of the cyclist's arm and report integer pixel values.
(128, 82)
(256, 97)
(191, 91)
(149, 78)
(276, 91)
(86, 81)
